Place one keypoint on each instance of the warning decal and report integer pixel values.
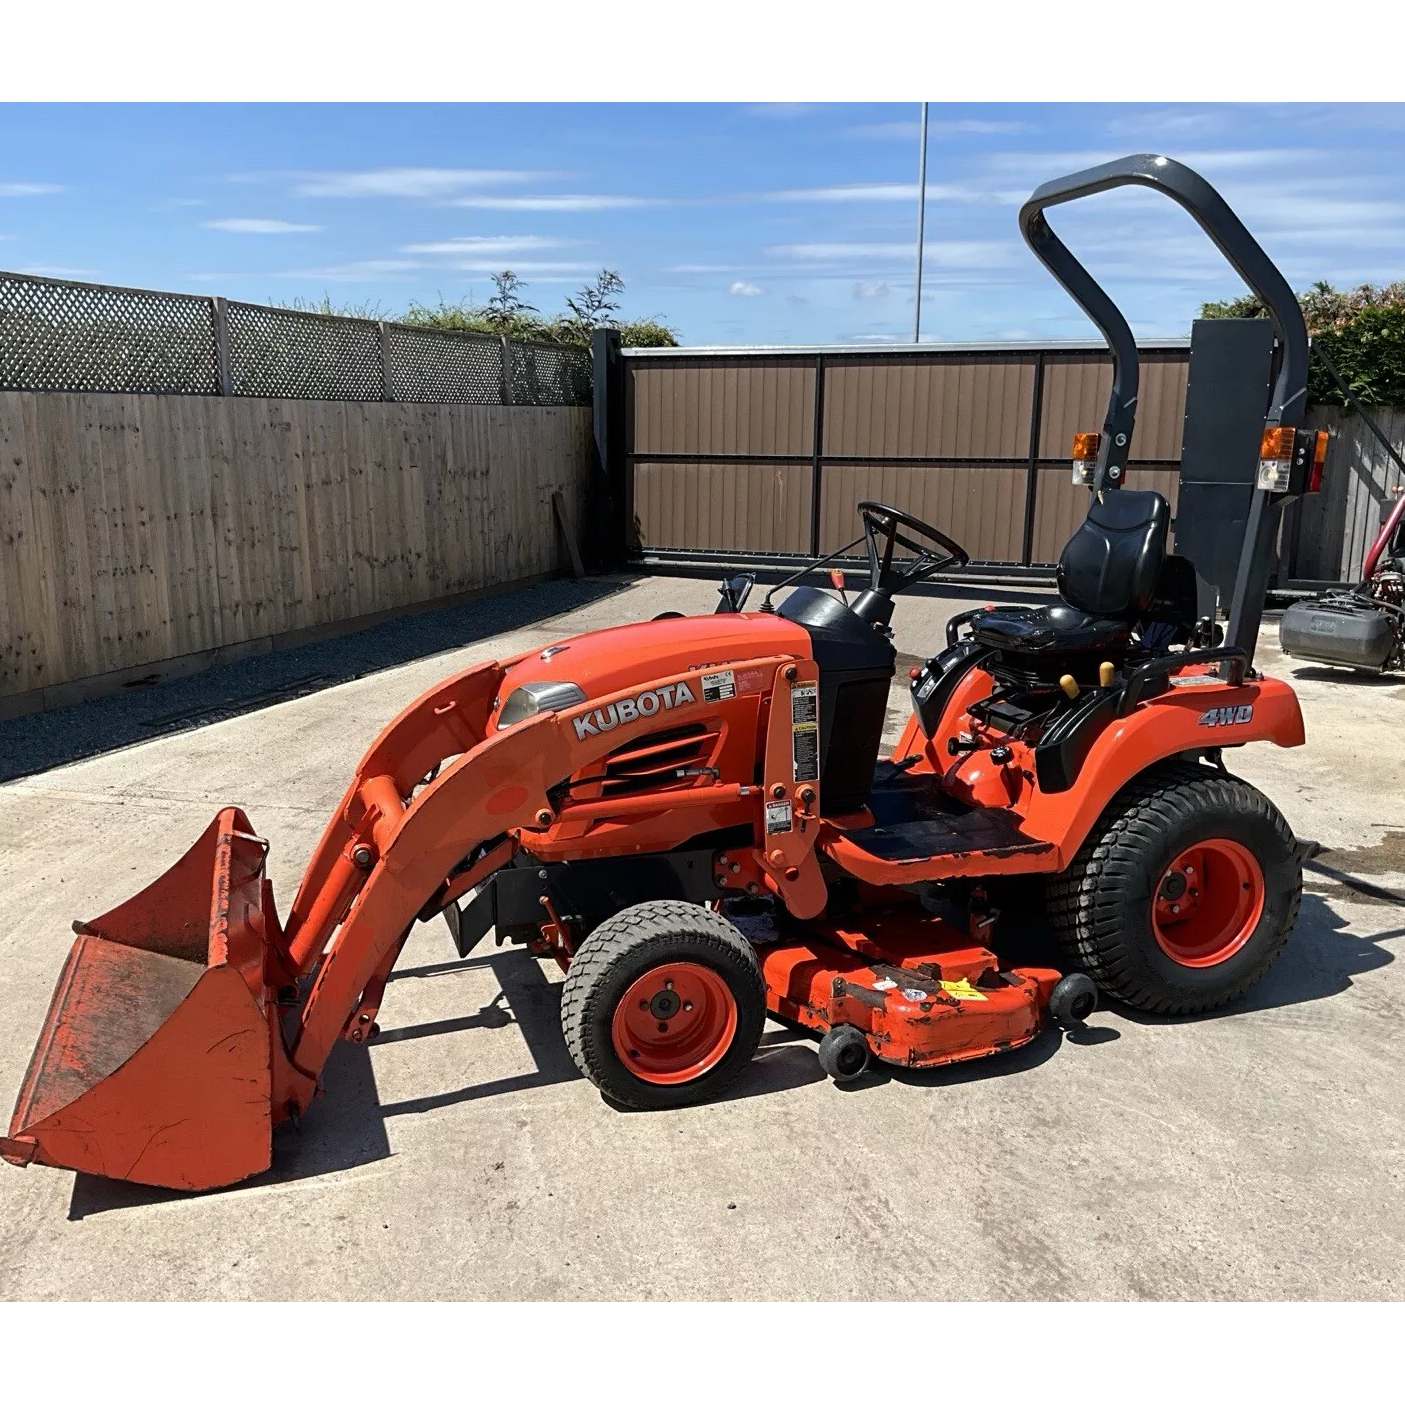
(718, 687)
(962, 989)
(778, 820)
(805, 731)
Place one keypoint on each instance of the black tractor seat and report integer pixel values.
(1107, 578)
(1052, 629)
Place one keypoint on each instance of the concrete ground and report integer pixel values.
(1256, 1154)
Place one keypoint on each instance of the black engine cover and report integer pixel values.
(856, 665)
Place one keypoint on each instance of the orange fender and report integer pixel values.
(1188, 717)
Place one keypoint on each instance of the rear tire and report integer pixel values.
(1129, 912)
(663, 1005)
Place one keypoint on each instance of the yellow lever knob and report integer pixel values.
(1069, 685)
(1105, 672)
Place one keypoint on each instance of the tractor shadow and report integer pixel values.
(348, 1127)
(1352, 678)
(154, 706)
(1321, 959)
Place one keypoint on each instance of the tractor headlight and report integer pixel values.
(541, 696)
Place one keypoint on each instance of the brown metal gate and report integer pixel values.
(762, 454)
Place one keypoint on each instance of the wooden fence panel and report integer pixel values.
(139, 529)
(1336, 525)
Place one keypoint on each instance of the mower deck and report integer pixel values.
(913, 983)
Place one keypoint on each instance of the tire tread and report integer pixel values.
(627, 932)
(1085, 902)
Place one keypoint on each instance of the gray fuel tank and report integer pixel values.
(1337, 630)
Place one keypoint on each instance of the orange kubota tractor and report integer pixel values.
(691, 816)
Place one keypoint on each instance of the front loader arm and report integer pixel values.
(448, 720)
(391, 847)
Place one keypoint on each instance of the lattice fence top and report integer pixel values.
(302, 355)
(81, 336)
(541, 374)
(432, 367)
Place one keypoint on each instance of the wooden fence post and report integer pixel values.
(387, 366)
(224, 375)
(506, 354)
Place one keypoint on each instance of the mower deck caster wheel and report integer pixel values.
(1073, 999)
(843, 1053)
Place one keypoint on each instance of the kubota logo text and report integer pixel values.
(605, 719)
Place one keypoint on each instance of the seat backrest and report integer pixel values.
(1110, 565)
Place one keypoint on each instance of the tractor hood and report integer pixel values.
(606, 661)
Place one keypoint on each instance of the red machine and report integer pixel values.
(690, 816)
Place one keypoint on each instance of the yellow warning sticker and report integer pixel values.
(962, 989)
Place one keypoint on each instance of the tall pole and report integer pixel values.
(921, 222)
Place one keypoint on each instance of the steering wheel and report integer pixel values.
(883, 529)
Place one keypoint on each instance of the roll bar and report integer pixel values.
(1206, 206)
(1287, 401)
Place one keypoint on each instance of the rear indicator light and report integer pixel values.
(1085, 453)
(1275, 458)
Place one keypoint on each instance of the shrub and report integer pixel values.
(1362, 332)
(506, 314)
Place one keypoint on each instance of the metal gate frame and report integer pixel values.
(614, 437)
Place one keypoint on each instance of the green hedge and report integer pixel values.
(1361, 331)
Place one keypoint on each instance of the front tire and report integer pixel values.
(663, 1005)
(1184, 892)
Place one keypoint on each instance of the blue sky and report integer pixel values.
(785, 223)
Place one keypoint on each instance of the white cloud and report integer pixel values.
(845, 193)
(939, 126)
(407, 182)
(48, 270)
(783, 109)
(865, 289)
(1160, 122)
(1037, 166)
(806, 253)
(953, 253)
(740, 289)
(362, 271)
(897, 191)
(555, 202)
(481, 246)
(17, 188)
(535, 267)
(253, 226)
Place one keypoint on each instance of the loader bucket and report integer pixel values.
(154, 1062)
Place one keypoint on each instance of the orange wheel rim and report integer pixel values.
(674, 1023)
(1207, 902)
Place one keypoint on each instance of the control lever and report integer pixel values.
(836, 579)
(734, 591)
